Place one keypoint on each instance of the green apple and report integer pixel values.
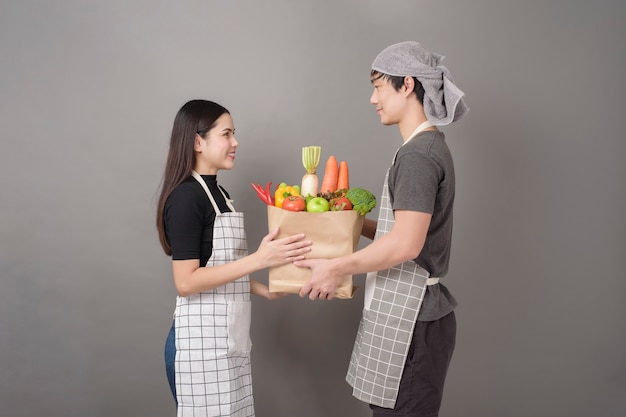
(317, 205)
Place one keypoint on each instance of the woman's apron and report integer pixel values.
(393, 298)
(213, 376)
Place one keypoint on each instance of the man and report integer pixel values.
(407, 334)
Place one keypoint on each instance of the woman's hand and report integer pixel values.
(262, 290)
(275, 252)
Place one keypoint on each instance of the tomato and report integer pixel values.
(294, 203)
(340, 203)
(282, 191)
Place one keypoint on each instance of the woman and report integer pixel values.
(208, 348)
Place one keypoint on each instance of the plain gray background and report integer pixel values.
(88, 94)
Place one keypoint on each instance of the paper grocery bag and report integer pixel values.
(333, 234)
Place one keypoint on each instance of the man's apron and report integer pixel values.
(213, 376)
(393, 298)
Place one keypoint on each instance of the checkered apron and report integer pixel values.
(213, 375)
(393, 298)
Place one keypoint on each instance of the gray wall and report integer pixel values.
(88, 93)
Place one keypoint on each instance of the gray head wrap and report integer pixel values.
(443, 101)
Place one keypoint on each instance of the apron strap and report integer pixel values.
(423, 126)
(198, 178)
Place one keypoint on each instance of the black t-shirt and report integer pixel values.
(189, 218)
(422, 179)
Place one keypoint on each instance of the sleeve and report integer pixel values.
(413, 183)
(184, 223)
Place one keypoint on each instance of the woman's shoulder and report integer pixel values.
(186, 192)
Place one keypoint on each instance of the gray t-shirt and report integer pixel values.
(422, 179)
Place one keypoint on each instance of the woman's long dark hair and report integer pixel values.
(195, 117)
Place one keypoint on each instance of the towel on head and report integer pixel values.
(443, 100)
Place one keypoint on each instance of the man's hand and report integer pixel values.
(323, 282)
(405, 241)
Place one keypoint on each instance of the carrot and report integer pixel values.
(343, 182)
(329, 183)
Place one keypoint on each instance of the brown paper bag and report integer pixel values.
(333, 233)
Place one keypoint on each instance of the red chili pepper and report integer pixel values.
(261, 193)
(268, 193)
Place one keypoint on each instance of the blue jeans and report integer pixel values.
(170, 357)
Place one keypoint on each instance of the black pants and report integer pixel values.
(421, 386)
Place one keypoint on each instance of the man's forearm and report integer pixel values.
(381, 254)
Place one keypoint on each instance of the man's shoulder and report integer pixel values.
(429, 145)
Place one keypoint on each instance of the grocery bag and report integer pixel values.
(332, 233)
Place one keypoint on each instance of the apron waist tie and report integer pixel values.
(432, 281)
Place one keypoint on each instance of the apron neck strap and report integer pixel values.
(198, 178)
(423, 126)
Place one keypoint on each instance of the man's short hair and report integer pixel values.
(397, 82)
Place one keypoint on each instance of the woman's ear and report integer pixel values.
(197, 143)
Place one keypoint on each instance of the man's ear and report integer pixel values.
(409, 85)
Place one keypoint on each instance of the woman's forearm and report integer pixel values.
(369, 228)
(190, 278)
